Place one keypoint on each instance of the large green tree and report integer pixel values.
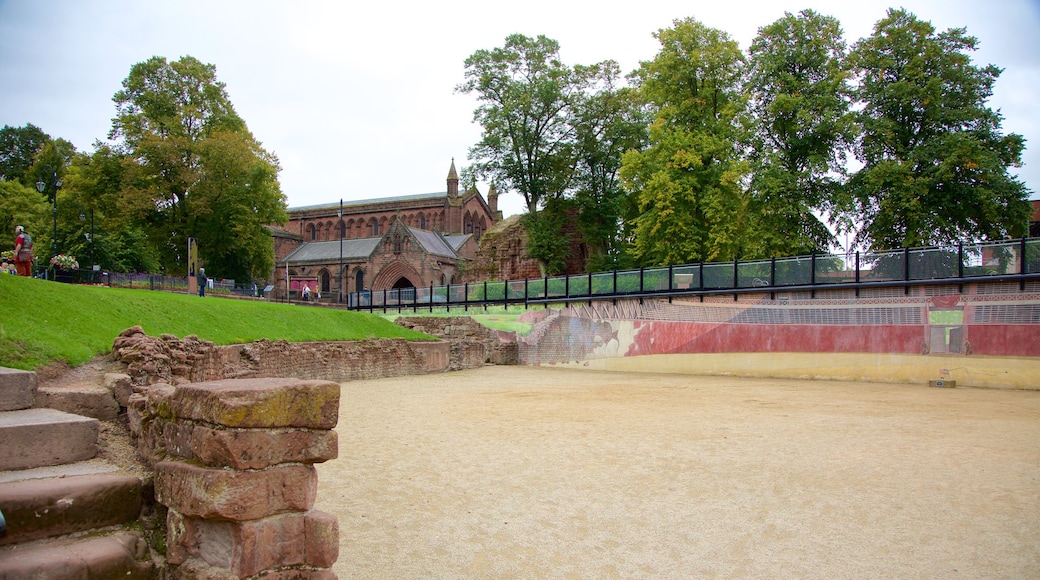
(935, 162)
(525, 95)
(610, 120)
(689, 202)
(191, 168)
(801, 128)
(18, 149)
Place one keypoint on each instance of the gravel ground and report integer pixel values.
(520, 472)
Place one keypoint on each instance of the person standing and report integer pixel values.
(23, 251)
(202, 282)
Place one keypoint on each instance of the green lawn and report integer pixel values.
(496, 317)
(42, 321)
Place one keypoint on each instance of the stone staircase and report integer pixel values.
(68, 512)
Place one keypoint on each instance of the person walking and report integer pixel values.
(23, 251)
(202, 282)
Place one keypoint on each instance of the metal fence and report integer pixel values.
(1017, 260)
(143, 281)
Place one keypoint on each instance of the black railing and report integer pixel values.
(1013, 260)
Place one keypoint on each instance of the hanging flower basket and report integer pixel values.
(65, 263)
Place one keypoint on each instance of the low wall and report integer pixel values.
(472, 344)
(172, 360)
(234, 465)
(983, 334)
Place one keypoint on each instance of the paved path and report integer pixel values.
(518, 472)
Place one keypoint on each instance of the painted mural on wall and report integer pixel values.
(973, 323)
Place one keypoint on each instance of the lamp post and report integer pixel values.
(41, 186)
(340, 228)
(90, 238)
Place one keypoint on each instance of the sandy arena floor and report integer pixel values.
(519, 472)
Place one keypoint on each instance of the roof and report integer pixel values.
(362, 248)
(378, 200)
(456, 241)
(433, 243)
(329, 251)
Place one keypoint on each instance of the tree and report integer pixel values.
(935, 163)
(23, 205)
(609, 121)
(687, 189)
(801, 128)
(525, 94)
(18, 149)
(191, 168)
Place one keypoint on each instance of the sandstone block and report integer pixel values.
(93, 401)
(260, 448)
(260, 403)
(17, 389)
(120, 385)
(41, 508)
(120, 555)
(235, 495)
(40, 437)
(322, 530)
(247, 548)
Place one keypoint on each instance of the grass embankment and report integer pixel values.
(496, 317)
(42, 322)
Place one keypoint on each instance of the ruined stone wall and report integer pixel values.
(234, 466)
(472, 344)
(168, 359)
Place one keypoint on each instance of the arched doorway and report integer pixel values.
(359, 280)
(325, 281)
(404, 289)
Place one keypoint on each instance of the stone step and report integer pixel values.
(40, 437)
(17, 389)
(115, 555)
(47, 508)
(90, 401)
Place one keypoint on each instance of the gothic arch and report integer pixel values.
(311, 232)
(394, 271)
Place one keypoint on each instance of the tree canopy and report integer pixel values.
(687, 190)
(189, 167)
(801, 127)
(935, 162)
(711, 153)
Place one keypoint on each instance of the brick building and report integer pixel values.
(391, 242)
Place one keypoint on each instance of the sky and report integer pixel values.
(358, 100)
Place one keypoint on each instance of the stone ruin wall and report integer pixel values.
(208, 417)
(234, 468)
(472, 344)
(172, 360)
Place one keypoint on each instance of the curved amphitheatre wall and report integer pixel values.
(985, 335)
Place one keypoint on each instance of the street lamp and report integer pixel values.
(41, 186)
(340, 228)
(90, 236)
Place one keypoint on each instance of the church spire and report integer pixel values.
(453, 180)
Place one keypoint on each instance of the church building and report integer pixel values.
(376, 244)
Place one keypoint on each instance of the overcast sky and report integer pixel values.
(357, 99)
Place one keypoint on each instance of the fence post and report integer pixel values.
(1022, 265)
(857, 274)
(812, 275)
(906, 271)
(485, 296)
(736, 277)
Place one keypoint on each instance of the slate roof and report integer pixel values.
(457, 240)
(362, 248)
(433, 243)
(329, 251)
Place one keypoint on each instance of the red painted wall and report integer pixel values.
(1004, 339)
(691, 337)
